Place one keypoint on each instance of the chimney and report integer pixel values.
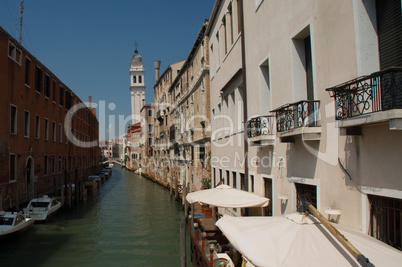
(157, 64)
(90, 102)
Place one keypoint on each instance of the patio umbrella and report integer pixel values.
(300, 240)
(224, 196)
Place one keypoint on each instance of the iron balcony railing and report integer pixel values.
(300, 114)
(260, 126)
(379, 91)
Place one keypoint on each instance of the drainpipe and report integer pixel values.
(244, 77)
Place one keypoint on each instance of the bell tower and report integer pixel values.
(137, 86)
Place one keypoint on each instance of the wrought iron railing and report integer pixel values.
(300, 114)
(379, 91)
(260, 126)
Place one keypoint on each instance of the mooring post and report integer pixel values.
(183, 241)
(211, 255)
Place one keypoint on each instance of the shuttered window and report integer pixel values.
(389, 25)
(309, 69)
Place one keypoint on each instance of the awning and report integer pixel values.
(300, 240)
(224, 196)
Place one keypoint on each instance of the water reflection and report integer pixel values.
(131, 221)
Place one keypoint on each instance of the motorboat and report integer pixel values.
(40, 209)
(13, 222)
(110, 164)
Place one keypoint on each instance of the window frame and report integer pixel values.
(15, 168)
(27, 124)
(13, 120)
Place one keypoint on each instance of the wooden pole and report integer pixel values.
(363, 261)
(203, 235)
(211, 255)
(183, 242)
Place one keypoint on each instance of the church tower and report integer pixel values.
(137, 86)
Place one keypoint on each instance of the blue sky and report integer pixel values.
(88, 44)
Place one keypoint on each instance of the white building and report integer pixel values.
(308, 83)
(137, 86)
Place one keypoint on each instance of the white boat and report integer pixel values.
(13, 222)
(110, 164)
(40, 209)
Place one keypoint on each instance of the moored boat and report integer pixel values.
(40, 209)
(13, 222)
(90, 184)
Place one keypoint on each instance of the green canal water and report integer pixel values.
(131, 221)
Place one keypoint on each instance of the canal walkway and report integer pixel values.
(131, 221)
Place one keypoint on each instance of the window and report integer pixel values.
(140, 79)
(150, 113)
(134, 79)
(149, 141)
(14, 53)
(385, 219)
(150, 128)
(61, 96)
(46, 129)
(389, 17)
(26, 123)
(27, 70)
(68, 99)
(54, 91)
(268, 194)
(304, 193)
(228, 177)
(47, 86)
(243, 182)
(221, 180)
(54, 131)
(60, 133)
(13, 167)
(265, 88)
(13, 119)
(234, 178)
(45, 164)
(38, 79)
(37, 127)
(303, 85)
(52, 165)
(214, 177)
(252, 183)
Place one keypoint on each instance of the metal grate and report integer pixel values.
(385, 220)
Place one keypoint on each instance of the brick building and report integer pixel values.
(36, 157)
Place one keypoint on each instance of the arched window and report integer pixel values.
(134, 79)
(140, 79)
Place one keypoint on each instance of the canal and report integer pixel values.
(131, 221)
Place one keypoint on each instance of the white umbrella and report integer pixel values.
(224, 196)
(300, 240)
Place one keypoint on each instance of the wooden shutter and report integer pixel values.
(389, 25)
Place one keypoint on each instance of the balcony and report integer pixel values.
(369, 99)
(260, 130)
(159, 115)
(300, 118)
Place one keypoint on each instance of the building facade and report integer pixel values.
(163, 107)
(147, 132)
(189, 127)
(49, 136)
(315, 112)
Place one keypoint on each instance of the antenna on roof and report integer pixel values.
(136, 45)
(21, 16)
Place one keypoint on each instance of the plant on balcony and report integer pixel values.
(206, 183)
